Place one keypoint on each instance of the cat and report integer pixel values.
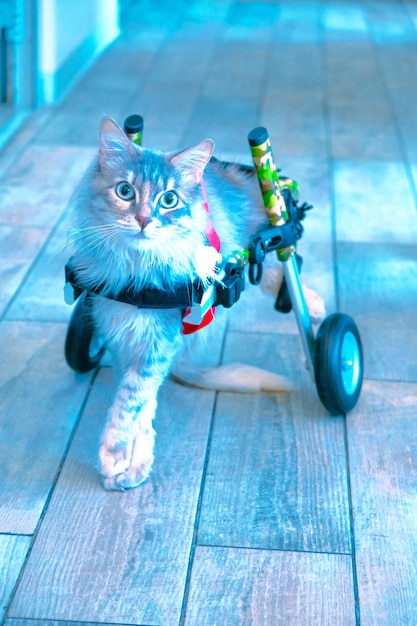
(141, 221)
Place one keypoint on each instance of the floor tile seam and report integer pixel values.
(250, 331)
(12, 534)
(361, 159)
(329, 160)
(39, 621)
(147, 78)
(52, 488)
(206, 75)
(45, 143)
(396, 122)
(388, 243)
(199, 506)
(268, 62)
(273, 550)
(198, 511)
(11, 151)
(197, 95)
(38, 321)
(335, 242)
(392, 381)
(19, 226)
(162, 44)
(355, 580)
(34, 262)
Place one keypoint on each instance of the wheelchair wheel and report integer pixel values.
(338, 363)
(83, 349)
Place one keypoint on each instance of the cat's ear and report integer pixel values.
(113, 142)
(194, 160)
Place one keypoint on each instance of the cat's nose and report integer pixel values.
(143, 220)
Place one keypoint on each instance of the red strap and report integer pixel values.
(188, 329)
(211, 234)
(214, 240)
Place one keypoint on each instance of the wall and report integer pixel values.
(71, 33)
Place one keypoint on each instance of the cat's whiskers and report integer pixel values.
(91, 242)
(85, 230)
(95, 238)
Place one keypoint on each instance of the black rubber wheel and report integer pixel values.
(338, 363)
(83, 350)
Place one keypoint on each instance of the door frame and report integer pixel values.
(19, 53)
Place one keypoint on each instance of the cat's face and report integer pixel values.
(149, 198)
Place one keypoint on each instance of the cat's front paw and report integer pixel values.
(114, 458)
(132, 477)
(125, 466)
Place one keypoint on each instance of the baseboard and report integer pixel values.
(52, 86)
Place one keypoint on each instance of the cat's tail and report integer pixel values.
(235, 377)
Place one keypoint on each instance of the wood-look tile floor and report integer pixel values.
(262, 509)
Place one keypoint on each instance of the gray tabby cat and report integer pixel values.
(141, 222)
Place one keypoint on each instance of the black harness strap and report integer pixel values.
(184, 295)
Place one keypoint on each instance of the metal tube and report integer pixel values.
(274, 203)
(299, 306)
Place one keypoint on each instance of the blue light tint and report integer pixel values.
(344, 18)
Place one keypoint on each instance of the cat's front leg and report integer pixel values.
(143, 345)
(126, 451)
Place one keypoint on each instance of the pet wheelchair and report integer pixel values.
(334, 356)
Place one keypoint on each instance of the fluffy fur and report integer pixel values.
(140, 221)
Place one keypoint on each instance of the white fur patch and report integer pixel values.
(205, 260)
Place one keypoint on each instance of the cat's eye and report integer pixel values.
(125, 191)
(168, 200)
